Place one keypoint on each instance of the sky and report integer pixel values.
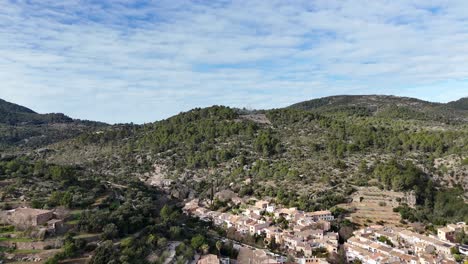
(141, 61)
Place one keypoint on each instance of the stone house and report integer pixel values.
(24, 218)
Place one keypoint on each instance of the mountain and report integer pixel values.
(126, 183)
(21, 126)
(372, 102)
(387, 106)
(13, 114)
(298, 154)
(7, 107)
(461, 104)
(308, 159)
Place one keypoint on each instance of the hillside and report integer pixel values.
(306, 159)
(22, 127)
(309, 159)
(13, 114)
(123, 185)
(461, 104)
(387, 106)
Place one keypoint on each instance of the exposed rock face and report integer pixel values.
(257, 118)
(453, 171)
(157, 177)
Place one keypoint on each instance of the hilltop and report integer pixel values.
(13, 114)
(388, 106)
(461, 104)
(23, 127)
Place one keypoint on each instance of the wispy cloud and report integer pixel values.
(122, 61)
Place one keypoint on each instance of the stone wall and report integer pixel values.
(56, 243)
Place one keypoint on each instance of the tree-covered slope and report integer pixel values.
(13, 114)
(387, 106)
(308, 159)
(461, 104)
(125, 183)
(22, 127)
(300, 158)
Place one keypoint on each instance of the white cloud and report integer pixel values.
(122, 61)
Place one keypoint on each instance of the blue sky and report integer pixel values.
(141, 61)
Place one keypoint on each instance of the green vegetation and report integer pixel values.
(311, 156)
(60, 185)
(440, 207)
(385, 240)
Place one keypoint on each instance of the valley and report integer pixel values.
(165, 191)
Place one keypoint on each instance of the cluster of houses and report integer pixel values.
(295, 230)
(257, 256)
(379, 244)
(25, 218)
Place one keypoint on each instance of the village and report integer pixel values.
(295, 232)
(306, 236)
(383, 244)
(307, 233)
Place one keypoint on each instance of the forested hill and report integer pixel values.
(306, 159)
(388, 106)
(13, 114)
(23, 127)
(461, 104)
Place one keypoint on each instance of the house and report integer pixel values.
(24, 218)
(261, 204)
(273, 232)
(321, 215)
(448, 233)
(208, 259)
(291, 241)
(305, 248)
(232, 221)
(287, 213)
(257, 256)
(255, 227)
(441, 247)
(355, 252)
(271, 208)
